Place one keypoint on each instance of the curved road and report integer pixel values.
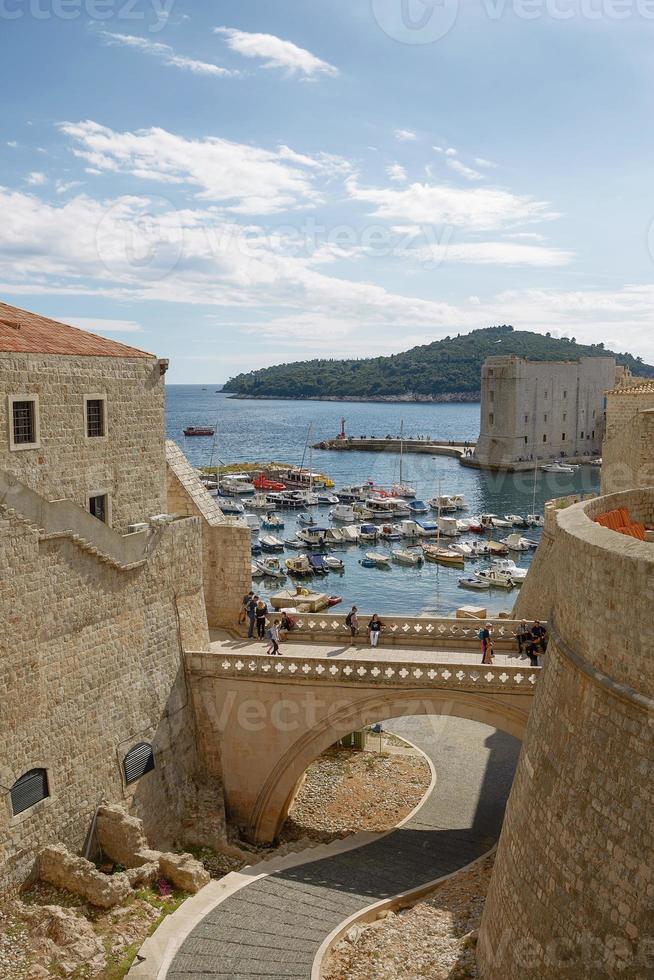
(274, 927)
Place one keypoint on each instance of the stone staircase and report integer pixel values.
(59, 520)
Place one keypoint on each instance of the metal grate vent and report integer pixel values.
(28, 790)
(138, 761)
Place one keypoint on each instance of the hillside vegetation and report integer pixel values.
(442, 370)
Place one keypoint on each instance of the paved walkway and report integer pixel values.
(222, 641)
(274, 927)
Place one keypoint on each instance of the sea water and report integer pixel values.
(283, 430)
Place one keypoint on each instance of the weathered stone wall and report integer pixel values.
(571, 893)
(91, 663)
(628, 449)
(542, 409)
(227, 559)
(128, 464)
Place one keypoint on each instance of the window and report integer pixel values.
(593, 433)
(545, 417)
(544, 438)
(95, 417)
(582, 435)
(138, 761)
(526, 419)
(23, 422)
(31, 788)
(490, 372)
(491, 395)
(546, 396)
(491, 419)
(593, 413)
(99, 507)
(563, 437)
(525, 440)
(565, 415)
(565, 394)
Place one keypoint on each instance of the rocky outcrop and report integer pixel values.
(184, 872)
(65, 870)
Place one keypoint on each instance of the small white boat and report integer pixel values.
(479, 548)
(459, 501)
(327, 498)
(448, 527)
(403, 490)
(342, 512)
(536, 520)
(463, 526)
(314, 536)
(273, 521)
(362, 513)
(473, 582)
(252, 522)
(461, 548)
(306, 519)
(516, 520)
(509, 566)
(404, 557)
(368, 532)
(409, 529)
(515, 542)
(443, 503)
(256, 571)
(557, 467)
(333, 563)
(382, 561)
(270, 567)
(497, 578)
(237, 484)
(309, 498)
(350, 533)
(333, 535)
(270, 543)
(399, 507)
(390, 532)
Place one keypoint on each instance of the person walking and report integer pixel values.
(375, 626)
(260, 612)
(352, 622)
(243, 614)
(486, 637)
(273, 636)
(251, 610)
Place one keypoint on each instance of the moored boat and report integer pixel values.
(270, 543)
(515, 542)
(443, 556)
(473, 582)
(199, 430)
(405, 557)
(299, 565)
(333, 564)
(382, 561)
(272, 521)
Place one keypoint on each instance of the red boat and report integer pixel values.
(198, 430)
(263, 483)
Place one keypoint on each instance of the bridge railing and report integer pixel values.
(408, 630)
(290, 669)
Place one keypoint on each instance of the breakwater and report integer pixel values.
(392, 444)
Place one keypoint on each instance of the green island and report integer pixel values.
(443, 371)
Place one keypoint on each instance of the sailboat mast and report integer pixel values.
(401, 447)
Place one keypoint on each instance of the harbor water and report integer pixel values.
(280, 430)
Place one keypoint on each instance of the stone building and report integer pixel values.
(541, 410)
(573, 882)
(114, 561)
(628, 449)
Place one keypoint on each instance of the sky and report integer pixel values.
(238, 184)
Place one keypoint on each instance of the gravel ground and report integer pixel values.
(435, 938)
(346, 791)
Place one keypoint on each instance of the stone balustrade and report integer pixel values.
(465, 677)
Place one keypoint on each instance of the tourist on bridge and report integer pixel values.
(352, 622)
(375, 626)
(260, 612)
(486, 637)
(273, 636)
(251, 610)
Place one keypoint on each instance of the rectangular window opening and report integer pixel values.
(24, 422)
(95, 420)
(99, 507)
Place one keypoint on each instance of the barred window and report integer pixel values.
(95, 417)
(31, 788)
(138, 761)
(98, 506)
(24, 422)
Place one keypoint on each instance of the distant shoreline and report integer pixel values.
(447, 398)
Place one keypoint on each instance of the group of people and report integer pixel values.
(531, 640)
(255, 611)
(375, 627)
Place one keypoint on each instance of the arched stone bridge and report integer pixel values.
(262, 720)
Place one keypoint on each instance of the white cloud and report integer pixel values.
(532, 236)
(165, 53)
(245, 179)
(482, 162)
(61, 186)
(397, 173)
(405, 135)
(478, 209)
(448, 151)
(36, 179)
(492, 253)
(12, 143)
(101, 325)
(276, 53)
(463, 170)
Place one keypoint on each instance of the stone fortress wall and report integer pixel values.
(628, 450)
(128, 463)
(542, 409)
(572, 889)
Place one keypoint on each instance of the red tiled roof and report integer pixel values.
(643, 387)
(22, 332)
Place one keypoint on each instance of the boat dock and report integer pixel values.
(394, 444)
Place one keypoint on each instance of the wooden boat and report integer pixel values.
(299, 565)
(443, 556)
(382, 561)
(404, 557)
(199, 430)
(334, 600)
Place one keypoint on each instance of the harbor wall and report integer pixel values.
(628, 450)
(572, 886)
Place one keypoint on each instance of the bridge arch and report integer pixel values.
(271, 804)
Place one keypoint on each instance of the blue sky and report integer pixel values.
(236, 184)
